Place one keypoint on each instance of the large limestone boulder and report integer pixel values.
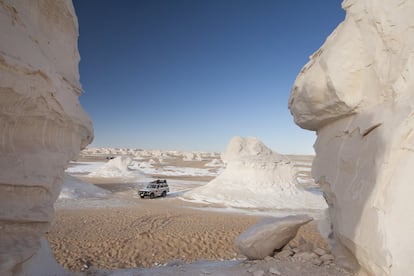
(357, 93)
(270, 234)
(42, 126)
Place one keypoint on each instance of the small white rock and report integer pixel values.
(284, 254)
(274, 271)
(320, 251)
(306, 256)
(327, 257)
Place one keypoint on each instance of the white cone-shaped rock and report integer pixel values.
(118, 168)
(357, 93)
(42, 126)
(255, 176)
(268, 235)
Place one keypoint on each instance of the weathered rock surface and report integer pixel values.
(357, 93)
(42, 125)
(263, 238)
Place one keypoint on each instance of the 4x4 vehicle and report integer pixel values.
(154, 189)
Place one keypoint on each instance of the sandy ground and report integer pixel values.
(162, 236)
(150, 233)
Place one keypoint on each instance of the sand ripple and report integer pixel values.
(143, 235)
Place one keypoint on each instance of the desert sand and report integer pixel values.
(165, 236)
(148, 233)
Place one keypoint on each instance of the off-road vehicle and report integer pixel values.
(154, 189)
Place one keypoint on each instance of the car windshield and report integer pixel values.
(151, 186)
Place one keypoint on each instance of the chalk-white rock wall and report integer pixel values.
(357, 92)
(42, 125)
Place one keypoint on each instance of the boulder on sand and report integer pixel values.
(270, 234)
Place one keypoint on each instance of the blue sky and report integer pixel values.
(191, 74)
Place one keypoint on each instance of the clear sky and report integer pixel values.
(191, 74)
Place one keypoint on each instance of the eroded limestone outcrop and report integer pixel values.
(42, 125)
(256, 177)
(357, 93)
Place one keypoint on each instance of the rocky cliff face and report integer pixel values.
(357, 93)
(42, 125)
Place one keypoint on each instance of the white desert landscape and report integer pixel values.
(70, 209)
(103, 226)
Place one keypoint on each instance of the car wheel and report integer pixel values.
(142, 196)
(164, 194)
(151, 195)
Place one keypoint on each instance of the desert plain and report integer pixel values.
(123, 231)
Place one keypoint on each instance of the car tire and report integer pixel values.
(151, 196)
(164, 194)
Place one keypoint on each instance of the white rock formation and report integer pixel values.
(256, 177)
(42, 125)
(214, 163)
(189, 156)
(357, 93)
(119, 167)
(269, 234)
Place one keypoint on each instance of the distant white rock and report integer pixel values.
(118, 168)
(256, 177)
(139, 153)
(141, 165)
(196, 156)
(189, 156)
(74, 188)
(214, 163)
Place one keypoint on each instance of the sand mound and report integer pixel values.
(256, 177)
